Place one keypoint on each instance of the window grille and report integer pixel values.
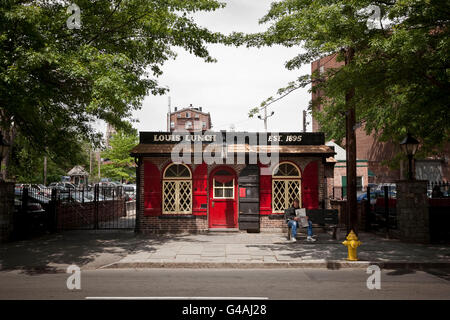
(177, 190)
(286, 187)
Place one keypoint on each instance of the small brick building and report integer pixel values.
(239, 190)
(191, 119)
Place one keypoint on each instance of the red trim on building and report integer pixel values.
(265, 192)
(200, 190)
(152, 190)
(310, 186)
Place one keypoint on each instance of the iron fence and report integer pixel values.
(44, 209)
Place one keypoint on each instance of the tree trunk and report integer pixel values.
(350, 147)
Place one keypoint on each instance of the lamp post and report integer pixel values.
(4, 147)
(409, 146)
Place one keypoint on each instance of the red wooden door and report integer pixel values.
(222, 199)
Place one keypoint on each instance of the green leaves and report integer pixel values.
(400, 73)
(55, 82)
(119, 164)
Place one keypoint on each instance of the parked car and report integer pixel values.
(32, 207)
(376, 195)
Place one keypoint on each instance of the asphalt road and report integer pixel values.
(227, 283)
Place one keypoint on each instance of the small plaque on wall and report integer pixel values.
(242, 192)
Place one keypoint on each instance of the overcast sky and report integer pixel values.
(241, 79)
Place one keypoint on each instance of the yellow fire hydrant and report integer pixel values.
(352, 243)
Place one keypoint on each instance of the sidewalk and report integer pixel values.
(266, 250)
(123, 249)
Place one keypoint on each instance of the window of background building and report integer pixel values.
(188, 125)
(203, 124)
(188, 115)
(359, 185)
(172, 124)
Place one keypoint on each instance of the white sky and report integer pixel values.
(240, 80)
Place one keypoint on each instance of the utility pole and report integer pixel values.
(45, 170)
(304, 120)
(168, 116)
(265, 117)
(98, 156)
(90, 161)
(350, 147)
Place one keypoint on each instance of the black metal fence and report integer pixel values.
(438, 189)
(44, 209)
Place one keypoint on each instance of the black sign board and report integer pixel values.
(252, 138)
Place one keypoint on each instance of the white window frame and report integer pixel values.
(223, 189)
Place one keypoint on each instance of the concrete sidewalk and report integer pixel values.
(114, 249)
(266, 250)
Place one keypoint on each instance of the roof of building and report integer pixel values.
(143, 149)
(196, 110)
(193, 109)
(78, 171)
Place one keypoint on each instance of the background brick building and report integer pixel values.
(191, 119)
(371, 153)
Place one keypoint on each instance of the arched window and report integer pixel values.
(286, 186)
(177, 189)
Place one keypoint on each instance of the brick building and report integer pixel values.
(191, 119)
(370, 153)
(238, 190)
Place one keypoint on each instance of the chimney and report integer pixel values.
(175, 108)
(190, 106)
(200, 108)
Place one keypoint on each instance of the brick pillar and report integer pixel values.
(412, 211)
(6, 210)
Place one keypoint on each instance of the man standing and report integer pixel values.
(292, 221)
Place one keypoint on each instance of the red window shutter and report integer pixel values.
(200, 185)
(265, 193)
(310, 186)
(152, 189)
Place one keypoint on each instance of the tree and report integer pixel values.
(27, 163)
(399, 72)
(56, 81)
(119, 165)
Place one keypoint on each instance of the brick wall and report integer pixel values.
(273, 223)
(82, 215)
(412, 211)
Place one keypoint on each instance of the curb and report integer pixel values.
(332, 265)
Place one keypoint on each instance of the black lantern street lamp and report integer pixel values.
(4, 147)
(409, 146)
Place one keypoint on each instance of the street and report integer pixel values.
(227, 284)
